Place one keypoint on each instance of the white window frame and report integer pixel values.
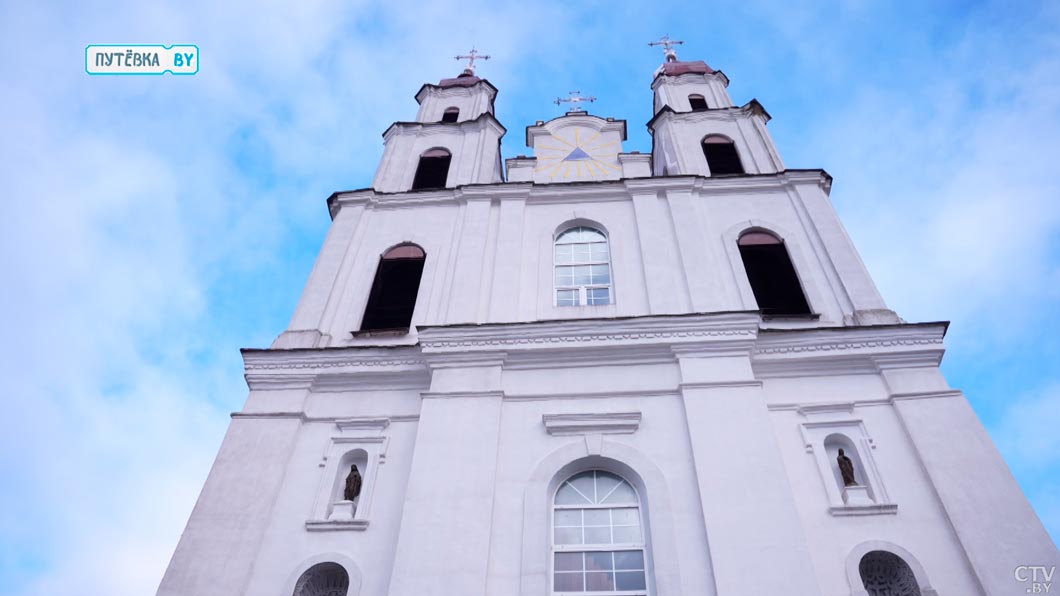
(583, 290)
(641, 546)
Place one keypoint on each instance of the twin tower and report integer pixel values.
(455, 140)
(592, 371)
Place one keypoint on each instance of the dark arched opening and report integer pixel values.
(697, 102)
(450, 114)
(721, 156)
(393, 296)
(886, 574)
(323, 579)
(771, 275)
(433, 169)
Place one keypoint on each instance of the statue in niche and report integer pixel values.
(353, 484)
(846, 468)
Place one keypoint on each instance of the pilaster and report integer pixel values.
(748, 505)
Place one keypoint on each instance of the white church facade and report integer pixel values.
(590, 371)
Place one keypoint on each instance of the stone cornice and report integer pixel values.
(621, 189)
(847, 350)
(582, 333)
(483, 121)
(429, 90)
(330, 358)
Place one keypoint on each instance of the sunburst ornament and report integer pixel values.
(578, 153)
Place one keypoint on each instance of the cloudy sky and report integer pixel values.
(152, 226)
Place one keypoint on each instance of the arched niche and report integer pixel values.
(358, 457)
(832, 444)
(451, 114)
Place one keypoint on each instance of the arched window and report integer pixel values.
(583, 267)
(769, 270)
(393, 295)
(433, 169)
(597, 539)
(698, 102)
(450, 114)
(886, 574)
(323, 579)
(721, 155)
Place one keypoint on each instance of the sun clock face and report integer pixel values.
(577, 153)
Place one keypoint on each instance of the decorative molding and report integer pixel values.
(739, 326)
(278, 382)
(926, 395)
(720, 384)
(363, 423)
(858, 510)
(320, 359)
(579, 424)
(858, 403)
(460, 394)
(270, 415)
(848, 345)
(323, 525)
(592, 395)
(810, 410)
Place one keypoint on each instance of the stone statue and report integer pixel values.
(846, 468)
(353, 484)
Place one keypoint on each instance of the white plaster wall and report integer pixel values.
(673, 250)
(920, 524)
(674, 91)
(472, 101)
(678, 138)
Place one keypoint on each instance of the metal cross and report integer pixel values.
(575, 97)
(471, 57)
(668, 46)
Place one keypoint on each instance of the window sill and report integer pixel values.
(392, 332)
(323, 525)
(857, 510)
(800, 317)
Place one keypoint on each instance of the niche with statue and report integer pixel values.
(349, 481)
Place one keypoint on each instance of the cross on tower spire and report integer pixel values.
(471, 57)
(575, 98)
(668, 46)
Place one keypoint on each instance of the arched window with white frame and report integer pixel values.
(598, 541)
(583, 268)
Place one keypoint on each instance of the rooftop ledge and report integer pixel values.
(582, 189)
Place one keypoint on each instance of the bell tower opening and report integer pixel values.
(397, 281)
(771, 275)
(721, 155)
(433, 170)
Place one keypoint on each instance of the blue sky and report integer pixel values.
(155, 225)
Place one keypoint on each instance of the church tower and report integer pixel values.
(605, 372)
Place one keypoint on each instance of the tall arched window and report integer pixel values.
(393, 295)
(597, 540)
(583, 267)
(433, 169)
(886, 574)
(450, 114)
(323, 579)
(721, 155)
(697, 102)
(769, 270)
